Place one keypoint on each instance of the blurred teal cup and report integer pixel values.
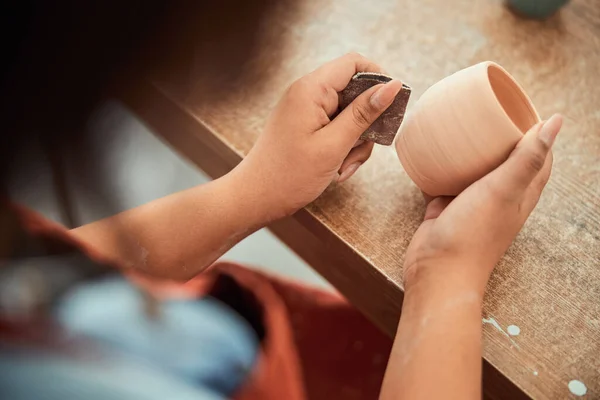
(538, 9)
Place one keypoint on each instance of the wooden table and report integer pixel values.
(214, 106)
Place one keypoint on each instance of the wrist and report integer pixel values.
(442, 295)
(445, 277)
(251, 198)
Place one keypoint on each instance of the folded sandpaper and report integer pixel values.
(384, 129)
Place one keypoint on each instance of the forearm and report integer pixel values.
(437, 349)
(179, 235)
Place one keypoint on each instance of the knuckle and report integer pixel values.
(361, 115)
(322, 117)
(298, 87)
(326, 96)
(542, 146)
(324, 90)
(535, 159)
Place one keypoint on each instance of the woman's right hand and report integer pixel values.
(306, 145)
(463, 238)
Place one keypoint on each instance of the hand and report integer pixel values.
(302, 150)
(463, 238)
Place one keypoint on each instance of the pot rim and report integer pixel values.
(522, 94)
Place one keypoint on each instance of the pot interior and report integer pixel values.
(512, 98)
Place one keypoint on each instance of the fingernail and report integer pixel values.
(358, 143)
(347, 173)
(384, 96)
(550, 129)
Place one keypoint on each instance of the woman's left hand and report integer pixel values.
(463, 238)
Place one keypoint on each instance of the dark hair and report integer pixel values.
(64, 57)
(60, 58)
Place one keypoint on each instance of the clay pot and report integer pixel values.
(463, 127)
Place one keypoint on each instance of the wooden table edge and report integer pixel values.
(307, 236)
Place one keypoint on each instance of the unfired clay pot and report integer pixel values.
(463, 127)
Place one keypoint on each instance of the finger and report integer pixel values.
(358, 154)
(527, 160)
(354, 160)
(358, 143)
(346, 128)
(337, 73)
(542, 178)
(436, 206)
(534, 191)
(427, 197)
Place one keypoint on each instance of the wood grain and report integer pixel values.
(355, 234)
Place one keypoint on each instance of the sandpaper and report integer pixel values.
(384, 129)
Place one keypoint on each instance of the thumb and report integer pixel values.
(528, 158)
(361, 113)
